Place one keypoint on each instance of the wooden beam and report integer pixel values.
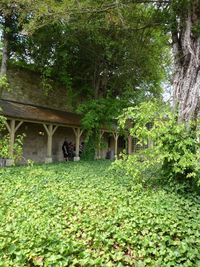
(78, 132)
(46, 128)
(12, 128)
(49, 141)
(98, 156)
(12, 138)
(54, 123)
(50, 130)
(54, 129)
(19, 124)
(101, 133)
(75, 131)
(130, 144)
(47, 123)
(8, 127)
(116, 136)
(81, 132)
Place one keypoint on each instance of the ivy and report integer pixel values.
(81, 214)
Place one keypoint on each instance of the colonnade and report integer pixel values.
(50, 128)
(116, 135)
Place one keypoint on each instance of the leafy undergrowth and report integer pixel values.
(80, 214)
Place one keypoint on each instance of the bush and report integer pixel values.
(174, 149)
(89, 148)
(5, 142)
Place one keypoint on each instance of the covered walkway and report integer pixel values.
(21, 116)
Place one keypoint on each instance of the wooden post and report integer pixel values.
(78, 132)
(50, 130)
(116, 136)
(99, 144)
(12, 138)
(77, 142)
(49, 141)
(130, 144)
(12, 128)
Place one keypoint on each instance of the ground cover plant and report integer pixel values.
(82, 214)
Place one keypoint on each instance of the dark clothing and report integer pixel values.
(71, 153)
(108, 155)
(65, 149)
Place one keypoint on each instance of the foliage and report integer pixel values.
(100, 113)
(102, 61)
(5, 143)
(171, 145)
(102, 47)
(2, 122)
(79, 214)
(4, 83)
(17, 148)
(92, 54)
(89, 147)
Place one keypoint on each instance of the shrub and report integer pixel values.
(174, 149)
(5, 142)
(89, 148)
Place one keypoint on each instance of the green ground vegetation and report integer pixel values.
(83, 214)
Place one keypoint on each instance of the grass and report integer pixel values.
(81, 214)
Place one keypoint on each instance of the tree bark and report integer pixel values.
(4, 62)
(186, 49)
(4, 56)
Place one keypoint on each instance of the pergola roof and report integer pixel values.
(27, 112)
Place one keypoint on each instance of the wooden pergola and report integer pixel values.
(19, 113)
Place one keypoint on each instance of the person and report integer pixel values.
(108, 153)
(81, 148)
(71, 151)
(65, 149)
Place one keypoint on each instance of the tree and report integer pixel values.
(185, 30)
(5, 19)
(10, 27)
(179, 18)
(99, 58)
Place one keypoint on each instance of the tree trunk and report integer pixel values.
(96, 89)
(3, 71)
(4, 62)
(186, 49)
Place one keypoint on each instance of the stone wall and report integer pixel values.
(26, 87)
(35, 142)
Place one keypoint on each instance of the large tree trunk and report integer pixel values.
(4, 62)
(186, 49)
(3, 71)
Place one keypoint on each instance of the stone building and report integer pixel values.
(46, 120)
